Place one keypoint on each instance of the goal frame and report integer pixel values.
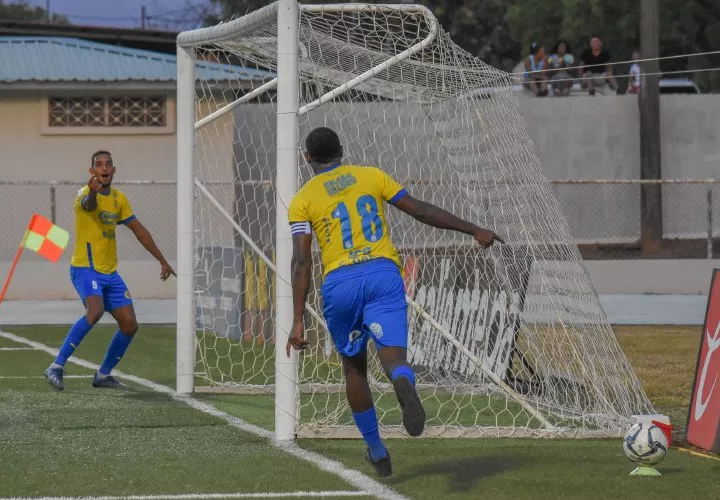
(287, 15)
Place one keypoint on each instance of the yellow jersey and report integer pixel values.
(344, 207)
(95, 245)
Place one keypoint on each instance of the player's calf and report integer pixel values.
(127, 327)
(54, 374)
(363, 411)
(403, 380)
(397, 369)
(116, 350)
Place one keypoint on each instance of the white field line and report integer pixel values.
(40, 377)
(17, 349)
(353, 477)
(208, 496)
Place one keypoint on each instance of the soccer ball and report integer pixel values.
(645, 444)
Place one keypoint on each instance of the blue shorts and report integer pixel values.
(110, 287)
(366, 300)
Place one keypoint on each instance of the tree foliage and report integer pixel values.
(21, 11)
(686, 27)
(500, 31)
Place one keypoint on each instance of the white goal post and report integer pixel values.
(508, 341)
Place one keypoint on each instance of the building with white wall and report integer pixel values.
(61, 99)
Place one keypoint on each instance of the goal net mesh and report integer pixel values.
(510, 340)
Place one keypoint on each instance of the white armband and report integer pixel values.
(298, 228)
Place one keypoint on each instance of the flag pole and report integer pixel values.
(12, 267)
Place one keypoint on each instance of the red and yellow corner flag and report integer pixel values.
(43, 237)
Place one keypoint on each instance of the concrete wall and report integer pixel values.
(574, 137)
(598, 138)
(30, 153)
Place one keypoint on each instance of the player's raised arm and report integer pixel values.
(145, 238)
(89, 202)
(432, 215)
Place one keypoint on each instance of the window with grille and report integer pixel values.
(107, 112)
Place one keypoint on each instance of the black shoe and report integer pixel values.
(411, 406)
(54, 376)
(383, 467)
(108, 382)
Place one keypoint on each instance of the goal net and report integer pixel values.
(506, 341)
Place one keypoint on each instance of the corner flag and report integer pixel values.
(43, 237)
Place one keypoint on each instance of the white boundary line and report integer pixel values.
(208, 496)
(12, 377)
(353, 477)
(17, 349)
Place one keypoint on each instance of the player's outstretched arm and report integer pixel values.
(146, 240)
(432, 215)
(301, 276)
(89, 203)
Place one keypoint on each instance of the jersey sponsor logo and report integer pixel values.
(703, 428)
(108, 218)
(340, 184)
(483, 319)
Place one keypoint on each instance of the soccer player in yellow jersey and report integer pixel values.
(99, 208)
(363, 290)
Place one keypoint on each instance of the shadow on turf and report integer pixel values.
(463, 473)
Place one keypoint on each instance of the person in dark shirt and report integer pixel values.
(595, 67)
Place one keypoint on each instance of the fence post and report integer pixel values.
(52, 204)
(710, 223)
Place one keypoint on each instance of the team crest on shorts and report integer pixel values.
(376, 329)
(127, 294)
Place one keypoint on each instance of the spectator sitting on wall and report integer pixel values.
(599, 70)
(635, 74)
(559, 63)
(535, 76)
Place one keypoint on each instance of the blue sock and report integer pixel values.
(115, 352)
(368, 425)
(403, 371)
(73, 339)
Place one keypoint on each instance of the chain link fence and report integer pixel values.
(154, 203)
(608, 212)
(599, 212)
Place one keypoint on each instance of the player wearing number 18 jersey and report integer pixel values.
(363, 291)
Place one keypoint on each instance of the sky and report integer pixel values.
(163, 14)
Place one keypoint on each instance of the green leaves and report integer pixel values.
(500, 31)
